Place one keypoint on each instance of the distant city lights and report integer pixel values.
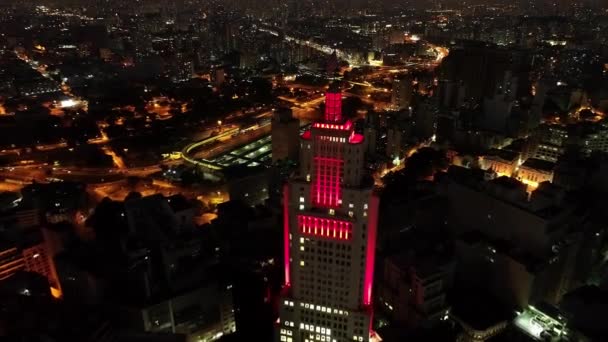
(68, 103)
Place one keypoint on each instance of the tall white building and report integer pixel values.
(330, 226)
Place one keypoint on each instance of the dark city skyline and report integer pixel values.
(303, 170)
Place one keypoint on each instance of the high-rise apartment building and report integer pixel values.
(402, 93)
(330, 228)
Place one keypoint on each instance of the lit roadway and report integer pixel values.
(193, 153)
(37, 172)
(207, 148)
(312, 44)
(328, 50)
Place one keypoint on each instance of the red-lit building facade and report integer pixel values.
(330, 225)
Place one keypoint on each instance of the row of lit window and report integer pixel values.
(365, 206)
(357, 338)
(324, 309)
(338, 322)
(286, 332)
(332, 212)
(336, 229)
(350, 205)
(321, 338)
(548, 148)
(315, 329)
(335, 233)
(333, 139)
(345, 127)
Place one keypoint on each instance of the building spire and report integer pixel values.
(333, 104)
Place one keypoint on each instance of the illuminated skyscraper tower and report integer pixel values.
(331, 215)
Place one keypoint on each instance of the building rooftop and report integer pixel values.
(543, 323)
(242, 171)
(505, 189)
(538, 164)
(504, 247)
(255, 153)
(465, 175)
(505, 155)
(517, 146)
(151, 216)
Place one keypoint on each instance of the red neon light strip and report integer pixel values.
(326, 190)
(286, 234)
(370, 253)
(355, 138)
(306, 135)
(333, 107)
(341, 127)
(322, 227)
(327, 165)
